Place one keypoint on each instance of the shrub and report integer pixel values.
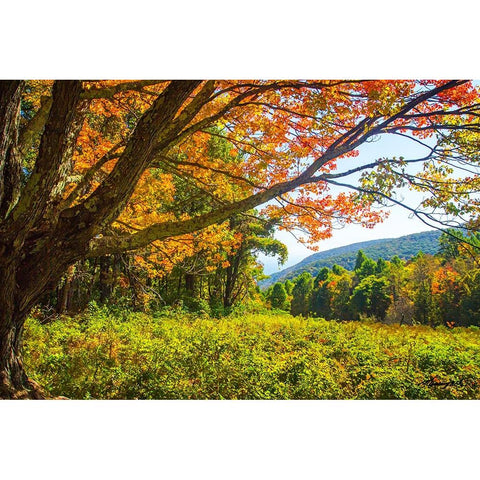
(180, 355)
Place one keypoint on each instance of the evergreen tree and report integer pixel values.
(381, 266)
(301, 294)
(367, 268)
(289, 286)
(278, 297)
(321, 276)
(338, 270)
(361, 257)
(396, 260)
(320, 296)
(371, 297)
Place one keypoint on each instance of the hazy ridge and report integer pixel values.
(405, 247)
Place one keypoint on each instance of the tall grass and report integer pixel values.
(181, 356)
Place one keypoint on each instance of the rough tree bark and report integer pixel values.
(19, 231)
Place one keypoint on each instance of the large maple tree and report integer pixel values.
(91, 168)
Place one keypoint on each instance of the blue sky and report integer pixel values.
(397, 224)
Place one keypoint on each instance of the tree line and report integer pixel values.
(216, 278)
(441, 289)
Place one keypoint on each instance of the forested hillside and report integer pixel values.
(403, 247)
(441, 289)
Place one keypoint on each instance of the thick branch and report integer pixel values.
(345, 143)
(35, 126)
(90, 175)
(109, 92)
(154, 132)
(57, 141)
(354, 137)
(159, 231)
(10, 96)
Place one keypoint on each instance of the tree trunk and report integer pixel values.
(14, 382)
(190, 284)
(64, 293)
(20, 289)
(232, 277)
(17, 297)
(104, 280)
(10, 93)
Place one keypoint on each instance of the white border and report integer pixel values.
(248, 39)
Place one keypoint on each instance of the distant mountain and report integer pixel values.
(405, 247)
